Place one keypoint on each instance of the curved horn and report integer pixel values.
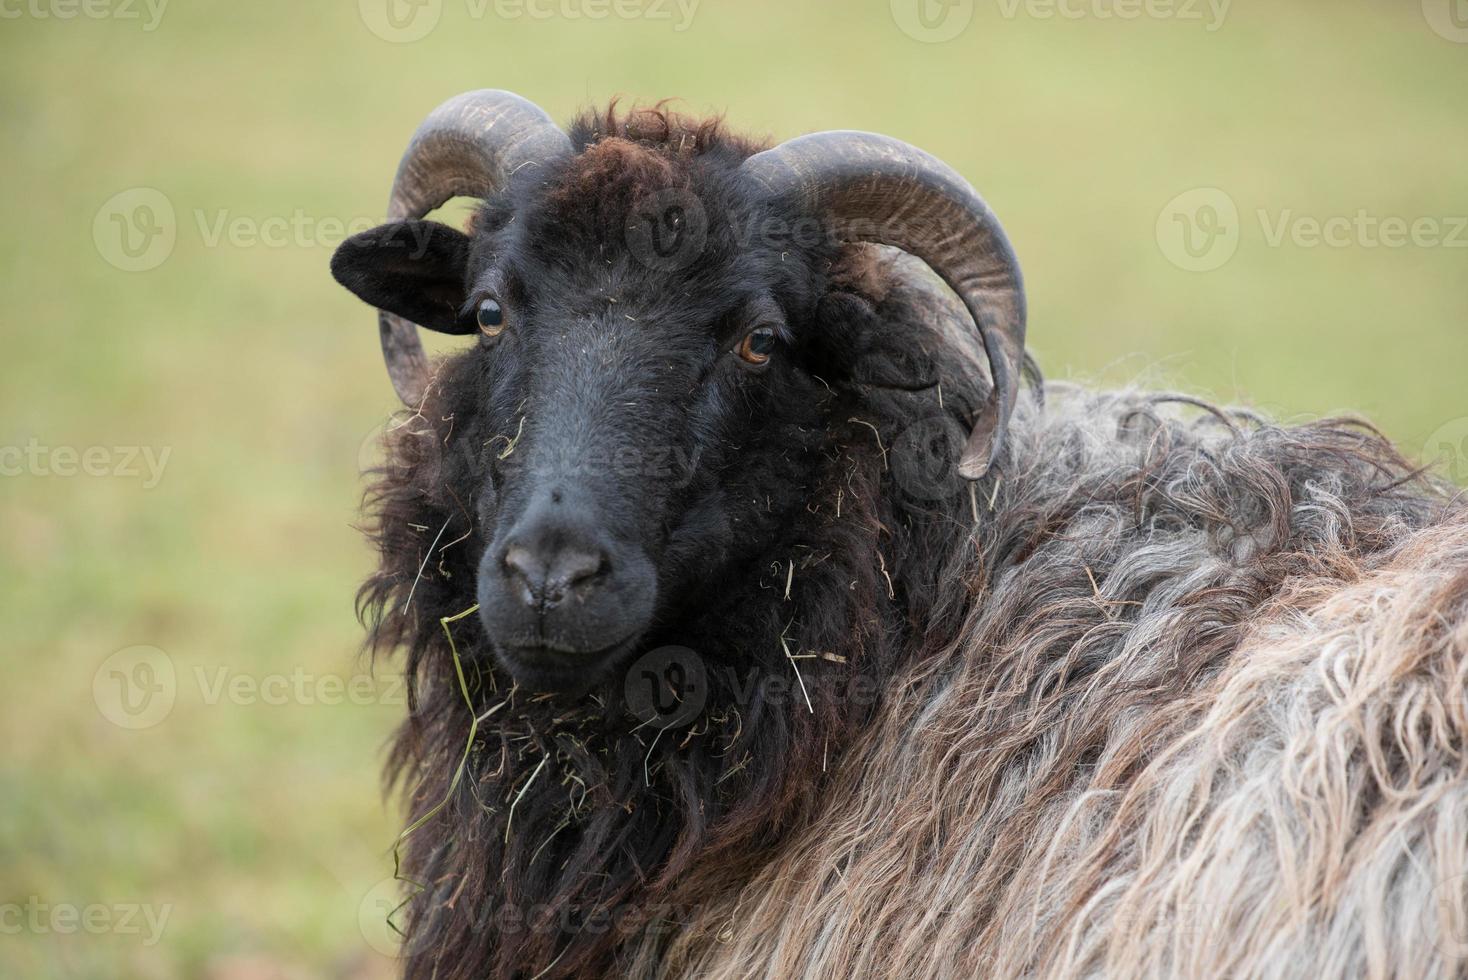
(877, 189)
(470, 146)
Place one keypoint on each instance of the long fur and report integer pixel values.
(1173, 691)
(1208, 721)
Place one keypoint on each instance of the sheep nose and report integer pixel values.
(560, 594)
(543, 576)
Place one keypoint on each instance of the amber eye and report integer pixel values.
(491, 318)
(757, 346)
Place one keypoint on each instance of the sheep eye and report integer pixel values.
(491, 318)
(757, 346)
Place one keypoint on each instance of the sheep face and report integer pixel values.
(641, 410)
(692, 414)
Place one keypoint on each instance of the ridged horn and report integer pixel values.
(471, 146)
(878, 189)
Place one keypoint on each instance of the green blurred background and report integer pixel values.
(188, 784)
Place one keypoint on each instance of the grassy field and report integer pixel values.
(1264, 202)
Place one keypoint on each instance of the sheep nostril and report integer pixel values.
(518, 561)
(575, 567)
(525, 572)
(545, 579)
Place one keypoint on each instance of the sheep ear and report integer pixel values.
(414, 269)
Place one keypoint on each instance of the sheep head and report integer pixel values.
(649, 393)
